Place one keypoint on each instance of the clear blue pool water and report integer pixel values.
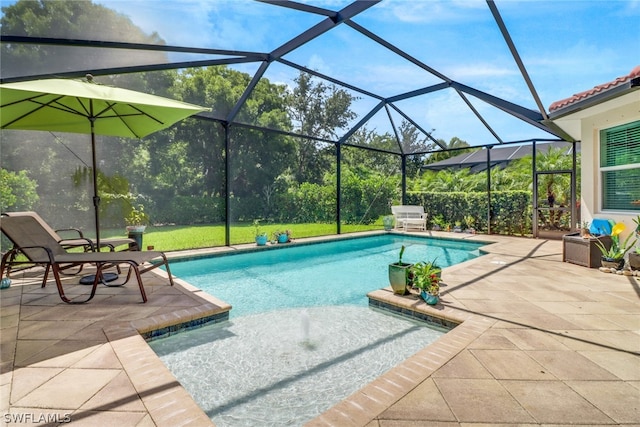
(330, 273)
(301, 336)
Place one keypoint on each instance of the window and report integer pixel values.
(620, 167)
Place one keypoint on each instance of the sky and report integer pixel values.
(567, 46)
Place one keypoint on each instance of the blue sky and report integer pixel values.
(567, 46)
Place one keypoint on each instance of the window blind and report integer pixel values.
(621, 190)
(620, 145)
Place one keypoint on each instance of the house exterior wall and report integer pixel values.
(585, 125)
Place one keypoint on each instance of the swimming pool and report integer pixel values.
(329, 273)
(301, 336)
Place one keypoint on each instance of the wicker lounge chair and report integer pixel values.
(39, 246)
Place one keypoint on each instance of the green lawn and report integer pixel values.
(174, 238)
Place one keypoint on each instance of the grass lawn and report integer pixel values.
(175, 238)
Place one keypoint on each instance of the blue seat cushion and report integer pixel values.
(600, 226)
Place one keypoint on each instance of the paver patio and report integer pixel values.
(541, 342)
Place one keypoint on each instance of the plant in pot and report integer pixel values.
(614, 256)
(470, 221)
(261, 236)
(136, 221)
(399, 275)
(282, 236)
(634, 257)
(387, 221)
(427, 277)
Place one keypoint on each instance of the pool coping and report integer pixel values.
(363, 406)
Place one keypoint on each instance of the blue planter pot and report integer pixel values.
(261, 240)
(283, 238)
(428, 298)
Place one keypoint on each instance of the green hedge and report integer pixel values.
(510, 210)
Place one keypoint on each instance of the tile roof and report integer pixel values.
(598, 89)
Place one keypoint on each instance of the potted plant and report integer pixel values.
(261, 236)
(470, 221)
(426, 278)
(136, 221)
(387, 221)
(399, 275)
(614, 256)
(282, 236)
(634, 257)
(438, 223)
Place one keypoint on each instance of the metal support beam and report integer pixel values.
(404, 178)
(534, 178)
(516, 56)
(252, 84)
(574, 188)
(338, 186)
(227, 186)
(489, 209)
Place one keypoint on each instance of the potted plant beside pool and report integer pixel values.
(136, 223)
(399, 275)
(614, 256)
(261, 236)
(282, 236)
(427, 277)
(387, 222)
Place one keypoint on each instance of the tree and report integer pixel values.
(317, 110)
(59, 155)
(257, 158)
(456, 144)
(79, 19)
(17, 191)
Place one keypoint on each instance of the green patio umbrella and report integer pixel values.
(86, 107)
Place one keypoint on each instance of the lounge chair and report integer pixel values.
(39, 246)
(77, 241)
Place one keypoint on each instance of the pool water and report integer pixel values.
(330, 273)
(301, 336)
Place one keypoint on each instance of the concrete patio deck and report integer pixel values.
(541, 342)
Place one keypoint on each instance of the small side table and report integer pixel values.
(581, 251)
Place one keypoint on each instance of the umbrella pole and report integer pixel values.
(96, 198)
(104, 277)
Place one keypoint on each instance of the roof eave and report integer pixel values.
(598, 98)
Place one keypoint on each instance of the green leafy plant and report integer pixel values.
(277, 234)
(137, 216)
(427, 277)
(400, 257)
(256, 226)
(616, 251)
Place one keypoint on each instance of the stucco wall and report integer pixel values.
(585, 125)
(591, 204)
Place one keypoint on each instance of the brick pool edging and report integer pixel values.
(366, 404)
